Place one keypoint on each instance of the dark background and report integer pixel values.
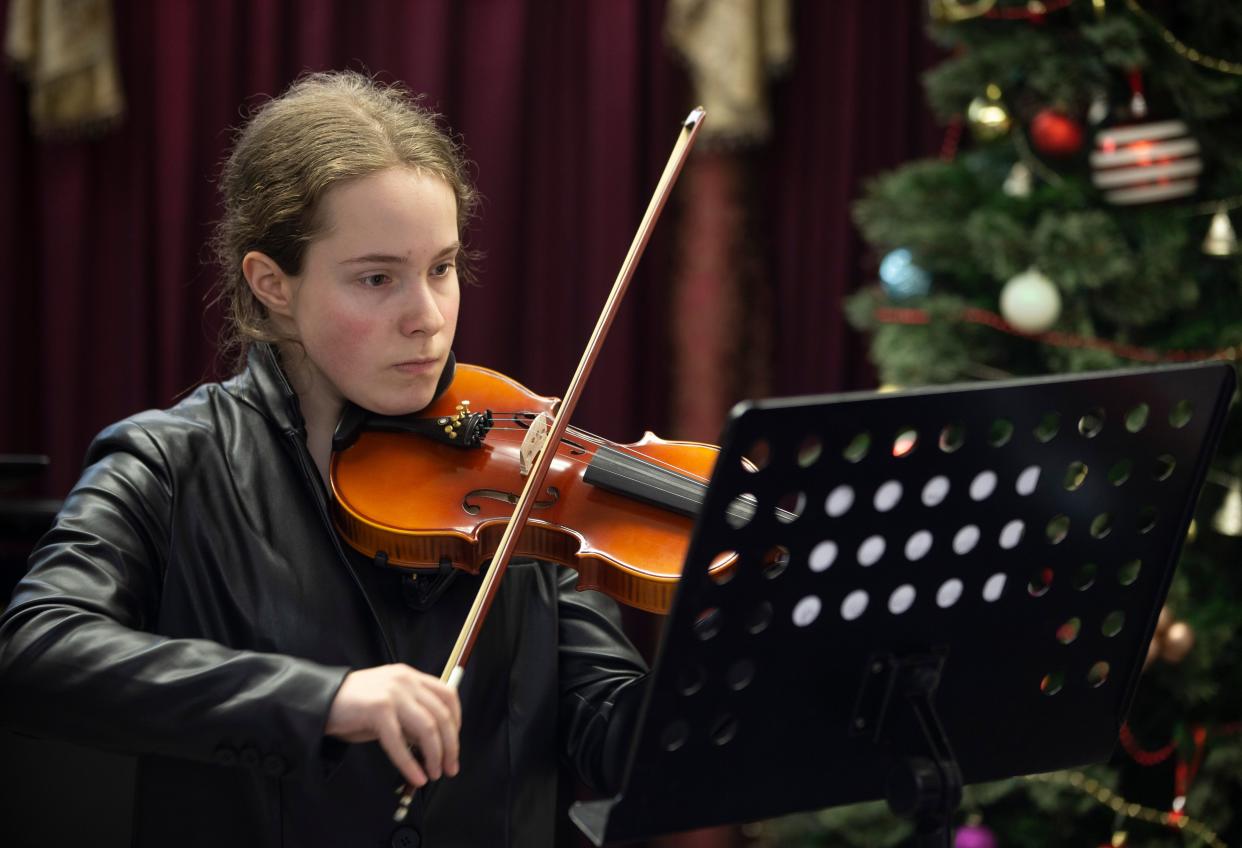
(568, 110)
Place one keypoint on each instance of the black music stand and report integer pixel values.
(933, 588)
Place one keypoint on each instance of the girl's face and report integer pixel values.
(375, 306)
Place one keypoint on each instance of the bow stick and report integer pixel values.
(490, 585)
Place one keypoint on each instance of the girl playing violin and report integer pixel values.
(193, 604)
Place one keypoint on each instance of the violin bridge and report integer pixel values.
(536, 435)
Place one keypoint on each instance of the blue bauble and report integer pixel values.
(903, 279)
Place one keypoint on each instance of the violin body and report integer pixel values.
(620, 515)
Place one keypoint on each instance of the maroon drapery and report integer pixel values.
(568, 109)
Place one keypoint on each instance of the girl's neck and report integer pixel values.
(320, 402)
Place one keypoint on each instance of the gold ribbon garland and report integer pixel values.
(1180, 47)
(1116, 803)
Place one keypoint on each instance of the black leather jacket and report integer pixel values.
(194, 606)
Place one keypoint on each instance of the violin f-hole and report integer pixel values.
(505, 497)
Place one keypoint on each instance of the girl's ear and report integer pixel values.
(269, 283)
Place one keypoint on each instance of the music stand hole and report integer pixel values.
(1129, 572)
(1113, 623)
(964, 540)
(1181, 414)
(1011, 534)
(952, 437)
(887, 496)
(723, 567)
(1084, 577)
(1040, 582)
(756, 456)
(1057, 529)
(740, 511)
(1164, 466)
(854, 605)
(674, 735)
(1147, 519)
(1069, 631)
(1052, 683)
(1101, 525)
(809, 451)
(823, 556)
(870, 551)
(902, 599)
(839, 501)
(1000, 432)
(917, 546)
(935, 490)
(982, 487)
(759, 618)
(1027, 481)
(690, 679)
(1097, 675)
(1092, 423)
(775, 561)
(994, 587)
(949, 593)
(707, 623)
(1075, 476)
(724, 728)
(905, 442)
(1136, 418)
(857, 448)
(740, 674)
(789, 507)
(1048, 427)
(806, 611)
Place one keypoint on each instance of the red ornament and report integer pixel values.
(1056, 134)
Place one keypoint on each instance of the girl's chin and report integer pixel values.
(406, 404)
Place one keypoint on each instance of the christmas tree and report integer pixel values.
(1079, 219)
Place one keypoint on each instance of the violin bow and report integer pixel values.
(490, 584)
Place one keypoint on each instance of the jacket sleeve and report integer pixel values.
(78, 660)
(602, 683)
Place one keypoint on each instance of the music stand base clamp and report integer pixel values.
(926, 788)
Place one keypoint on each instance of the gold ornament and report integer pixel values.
(1178, 641)
(1018, 183)
(987, 115)
(952, 11)
(1228, 519)
(1221, 241)
(1163, 621)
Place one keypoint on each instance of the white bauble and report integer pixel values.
(1030, 302)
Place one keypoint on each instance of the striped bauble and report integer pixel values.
(1146, 163)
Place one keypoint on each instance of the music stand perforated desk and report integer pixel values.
(932, 587)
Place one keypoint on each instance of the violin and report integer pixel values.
(441, 486)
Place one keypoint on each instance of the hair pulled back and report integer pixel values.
(325, 129)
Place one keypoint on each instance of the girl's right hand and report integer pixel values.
(401, 707)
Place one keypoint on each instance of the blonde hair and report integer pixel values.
(325, 129)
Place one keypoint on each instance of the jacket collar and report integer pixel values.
(264, 386)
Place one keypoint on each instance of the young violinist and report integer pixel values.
(193, 604)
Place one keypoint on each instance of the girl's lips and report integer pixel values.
(416, 366)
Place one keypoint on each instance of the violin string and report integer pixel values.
(587, 436)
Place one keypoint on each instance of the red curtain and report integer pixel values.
(568, 109)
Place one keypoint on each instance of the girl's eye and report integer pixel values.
(374, 280)
(442, 269)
